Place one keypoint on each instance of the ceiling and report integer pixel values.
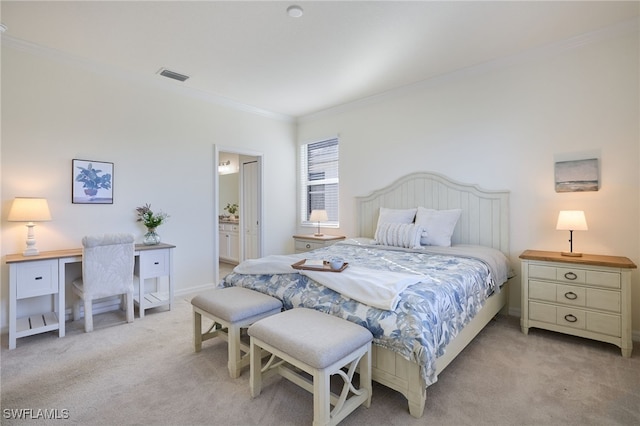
(254, 54)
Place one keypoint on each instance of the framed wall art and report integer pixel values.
(92, 182)
(577, 175)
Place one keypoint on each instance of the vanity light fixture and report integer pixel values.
(571, 220)
(223, 166)
(295, 11)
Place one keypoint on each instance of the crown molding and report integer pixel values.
(612, 31)
(151, 80)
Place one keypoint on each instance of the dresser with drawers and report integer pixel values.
(587, 296)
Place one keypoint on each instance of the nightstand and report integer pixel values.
(587, 296)
(311, 242)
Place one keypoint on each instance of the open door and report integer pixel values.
(250, 200)
(248, 193)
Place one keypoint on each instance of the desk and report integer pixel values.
(45, 275)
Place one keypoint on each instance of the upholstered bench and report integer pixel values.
(320, 345)
(231, 309)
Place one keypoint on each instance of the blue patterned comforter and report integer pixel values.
(429, 314)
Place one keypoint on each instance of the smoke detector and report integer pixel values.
(294, 11)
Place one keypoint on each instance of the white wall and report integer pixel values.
(161, 145)
(503, 127)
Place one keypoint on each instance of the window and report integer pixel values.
(319, 180)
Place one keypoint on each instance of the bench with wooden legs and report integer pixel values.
(231, 309)
(320, 345)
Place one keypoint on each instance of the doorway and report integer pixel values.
(237, 179)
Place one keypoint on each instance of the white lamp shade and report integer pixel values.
(26, 209)
(571, 220)
(318, 216)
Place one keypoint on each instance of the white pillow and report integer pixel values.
(399, 234)
(396, 215)
(438, 225)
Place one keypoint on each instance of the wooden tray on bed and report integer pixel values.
(324, 268)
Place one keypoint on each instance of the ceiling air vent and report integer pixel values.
(172, 74)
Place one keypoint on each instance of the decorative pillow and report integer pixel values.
(399, 234)
(438, 225)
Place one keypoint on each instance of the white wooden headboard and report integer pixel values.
(485, 214)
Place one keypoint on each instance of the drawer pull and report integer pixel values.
(571, 295)
(570, 318)
(570, 276)
(156, 263)
(38, 278)
(308, 245)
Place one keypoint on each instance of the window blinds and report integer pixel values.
(319, 179)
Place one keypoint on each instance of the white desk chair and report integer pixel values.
(107, 270)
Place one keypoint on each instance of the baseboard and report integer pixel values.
(113, 303)
(188, 293)
(99, 307)
(515, 312)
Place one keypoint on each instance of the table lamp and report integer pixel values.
(571, 220)
(318, 216)
(29, 210)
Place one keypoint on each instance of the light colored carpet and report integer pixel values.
(148, 373)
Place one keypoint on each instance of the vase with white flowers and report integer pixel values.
(151, 220)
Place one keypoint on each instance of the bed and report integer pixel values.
(407, 358)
